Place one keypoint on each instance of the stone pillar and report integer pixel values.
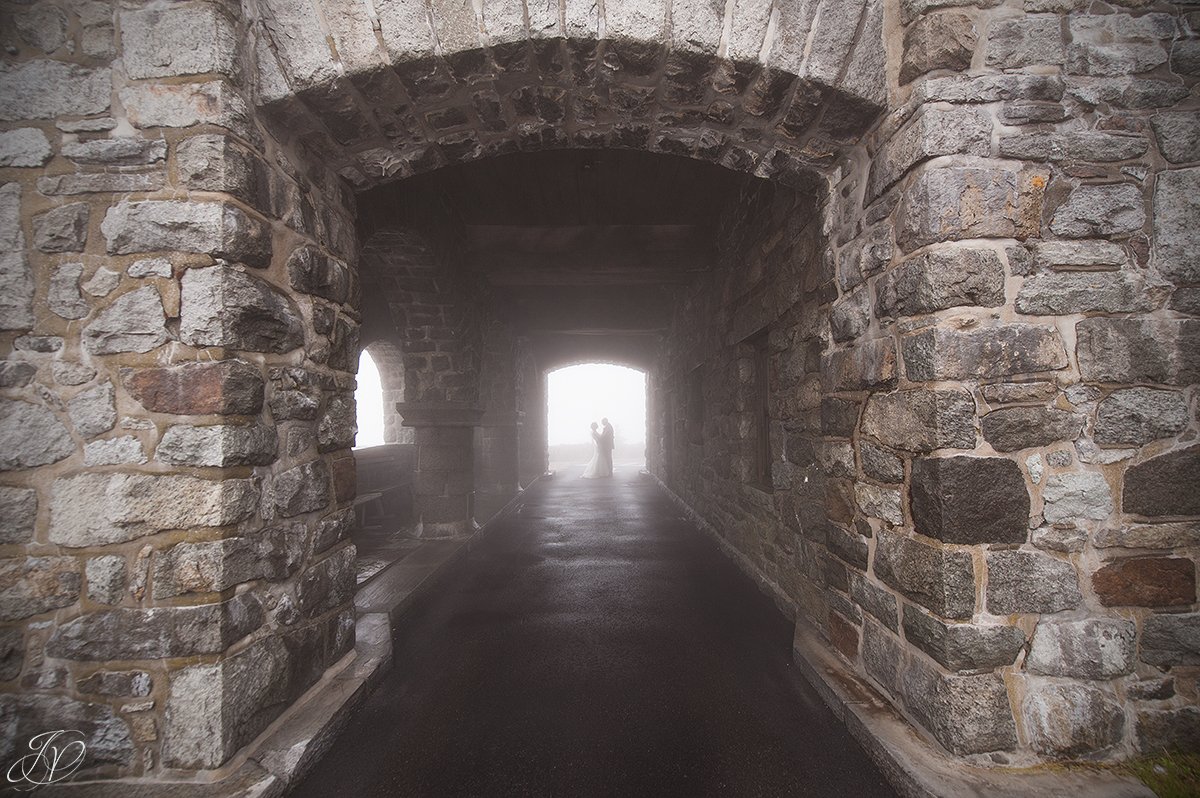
(444, 478)
(532, 454)
(496, 463)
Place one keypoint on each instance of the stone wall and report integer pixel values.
(176, 399)
(981, 322)
(983, 397)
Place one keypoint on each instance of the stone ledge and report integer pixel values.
(915, 767)
(285, 752)
(295, 742)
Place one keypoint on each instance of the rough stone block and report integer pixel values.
(1096, 648)
(1063, 293)
(213, 228)
(158, 104)
(226, 387)
(939, 353)
(33, 585)
(220, 445)
(1136, 416)
(183, 40)
(16, 278)
(938, 41)
(935, 577)
(1146, 582)
(850, 315)
(313, 272)
(967, 714)
(31, 435)
(879, 463)
(94, 509)
(1164, 485)
(106, 578)
(213, 566)
(874, 600)
(64, 297)
(1100, 210)
(100, 183)
(213, 709)
(228, 307)
(882, 657)
(959, 202)
(134, 322)
(969, 500)
(867, 364)
(1168, 729)
(933, 131)
(1169, 640)
(1082, 495)
(1165, 351)
(1025, 41)
(1176, 236)
(1178, 136)
(105, 734)
(302, 489)
(18, 514)
(93, 411)
(333, 529)
(847, 546)
(1010, 429)
(1024, 581)
(156, 633)
(124, 151)
(940, 279)
(1068, 721)
(338, 425)
(1150, 536)
(328, 584)
(133, 684)
(1082, 254)
(44, 89)
(878, 502)
(24, 147)
(962, 646)
(1074, 146)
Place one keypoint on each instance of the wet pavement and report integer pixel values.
(594, 644)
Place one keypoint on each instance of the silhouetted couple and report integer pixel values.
(601, 463)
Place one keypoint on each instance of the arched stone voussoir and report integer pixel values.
(385, 99)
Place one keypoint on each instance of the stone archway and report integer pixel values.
(984, 296)
(770, 91)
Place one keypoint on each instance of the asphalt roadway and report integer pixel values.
(594, 644)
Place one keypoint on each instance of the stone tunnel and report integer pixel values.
(914, 284)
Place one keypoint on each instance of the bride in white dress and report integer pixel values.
(592, 471)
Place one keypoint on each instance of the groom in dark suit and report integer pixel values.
(606, 448)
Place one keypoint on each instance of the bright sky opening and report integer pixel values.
(369, 397)
(580, 395)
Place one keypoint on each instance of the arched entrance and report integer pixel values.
(934, 385)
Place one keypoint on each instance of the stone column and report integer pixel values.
(444, 479)
(531, 433)
(497, 466)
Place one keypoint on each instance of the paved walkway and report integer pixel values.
(594, 644)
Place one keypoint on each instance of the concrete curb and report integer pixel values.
(915, 766)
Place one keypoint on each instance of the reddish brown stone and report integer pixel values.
(345, 483)
(843, 635)
(228, 387)
(1146, 582)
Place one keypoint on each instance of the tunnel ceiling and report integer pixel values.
(576, 244)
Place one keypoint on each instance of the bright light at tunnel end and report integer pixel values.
(579, 395)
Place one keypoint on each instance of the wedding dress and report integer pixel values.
(593, 468)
